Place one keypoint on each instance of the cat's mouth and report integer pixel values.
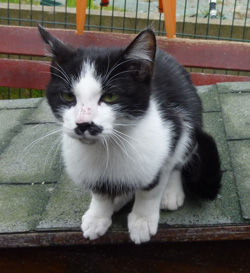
(87, 140)
(82, 138)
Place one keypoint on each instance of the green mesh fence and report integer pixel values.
(197, 19)
(207, 19)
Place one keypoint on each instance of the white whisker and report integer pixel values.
(123, 72)
(33, 143)
(119, 132)
(51, 149)
(114, 67)
(56, 151)
(59, 70)
(105, 76)
(129, 143)
(57, 76)
(116, 138)
(62, 71)
(125, 125)
(105, 143)
(120, 138)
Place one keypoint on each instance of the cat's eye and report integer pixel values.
(110, 97)
(68, 97)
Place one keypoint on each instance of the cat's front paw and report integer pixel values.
(141, 228)
(93, 226)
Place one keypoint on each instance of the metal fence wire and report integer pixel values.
(206, 19)
(197, 19)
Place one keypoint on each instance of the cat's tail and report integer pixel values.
(202, 174)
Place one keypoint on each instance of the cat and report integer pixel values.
(132, 128)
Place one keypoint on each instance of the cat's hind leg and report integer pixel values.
(173, 196)
(97, 219)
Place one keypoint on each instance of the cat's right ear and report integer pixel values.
(58, 49)
(141, 52)
(143, 47)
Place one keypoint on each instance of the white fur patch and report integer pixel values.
(134, 157)
(183, 145)
(88, 91)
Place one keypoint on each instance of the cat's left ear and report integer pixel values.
(142, 50)
(59, 50)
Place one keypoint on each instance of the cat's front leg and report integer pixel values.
(97, 219)
(144, 218)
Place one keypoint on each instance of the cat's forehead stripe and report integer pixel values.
(87, 85)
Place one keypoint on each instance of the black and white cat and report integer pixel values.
(132, 127)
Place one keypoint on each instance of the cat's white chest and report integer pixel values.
(134, 159)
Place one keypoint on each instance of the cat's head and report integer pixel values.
(93, 91)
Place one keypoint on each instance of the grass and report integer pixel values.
(34, 2)
(70, 4)
(18, 93)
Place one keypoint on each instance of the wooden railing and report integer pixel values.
(190, 53)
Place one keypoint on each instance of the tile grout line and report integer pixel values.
(230, 153)
(237, 139)
(27, 183)
(18, 128)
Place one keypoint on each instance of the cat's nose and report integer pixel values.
(82, 127)
(92, 128)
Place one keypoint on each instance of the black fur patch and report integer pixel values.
(110, 188)
(202, 175)
(153, 184)
(156, 76)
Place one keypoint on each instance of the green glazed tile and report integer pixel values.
(21, 206)
(20, 103)
(31, 157)
(66, 206)
(240, 153)
(209, 98)
(231, 87)
(236, 114)
(213, 124)
(224, 210)
(10, 124)
(42, 114)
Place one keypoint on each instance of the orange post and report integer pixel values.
(160, 7)
(169, 9)
(81, 6)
